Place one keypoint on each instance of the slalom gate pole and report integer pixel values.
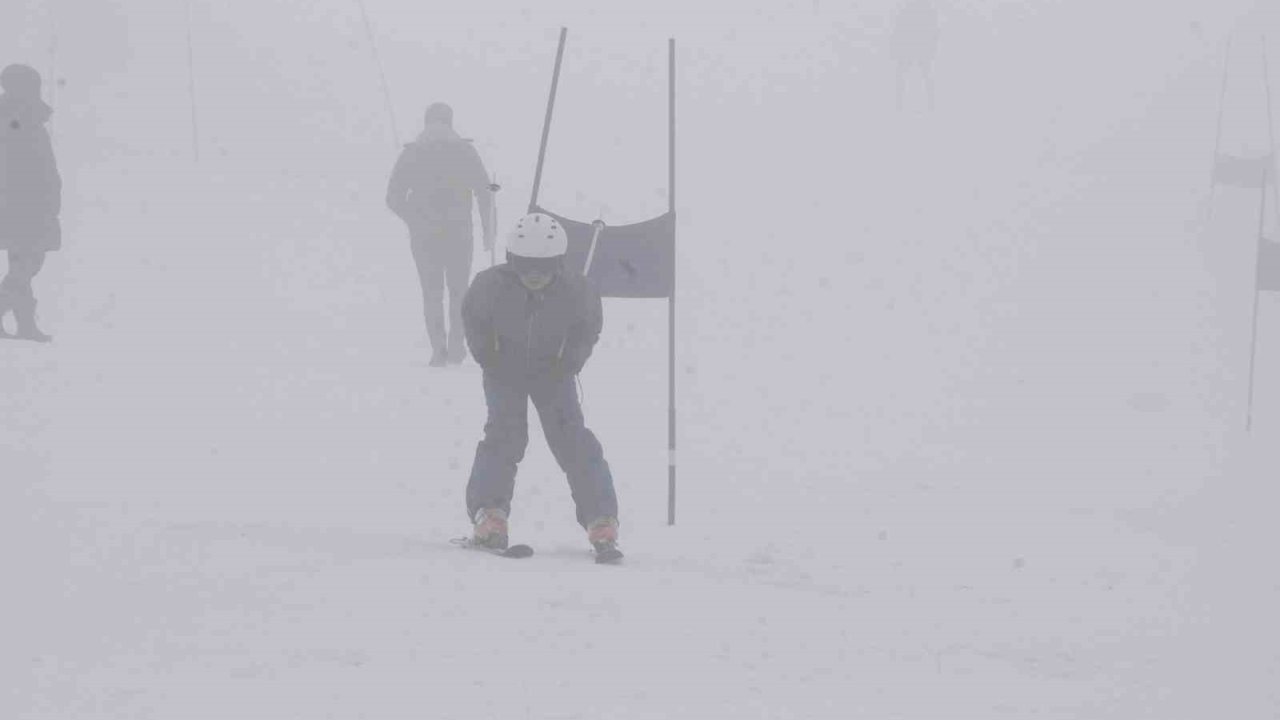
(1271, 123)
(671, 302)
(546, 123)
(1257, 291)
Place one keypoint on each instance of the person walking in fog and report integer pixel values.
(531, 325)
(431, 189)
(30, 196)
(915, 45)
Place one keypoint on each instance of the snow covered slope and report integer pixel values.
(962, 392)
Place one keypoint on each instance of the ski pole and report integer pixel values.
(494, 187)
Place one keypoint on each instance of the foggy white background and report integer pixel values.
(962, 392)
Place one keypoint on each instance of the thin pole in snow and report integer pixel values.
(494, 187)
(382, 76)
(671, 301)
(1257, 291)
(1271, 122)
(191, 85)
(546, 123)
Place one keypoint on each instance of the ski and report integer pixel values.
(515, 552)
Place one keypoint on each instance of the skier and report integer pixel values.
(531, 325)
(915, 44)
(431, 189)
(30, 196)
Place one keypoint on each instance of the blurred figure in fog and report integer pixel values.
(431, 189)
(915, 45)
(30, 196)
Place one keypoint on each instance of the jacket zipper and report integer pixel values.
(528, 357)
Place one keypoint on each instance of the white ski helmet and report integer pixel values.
(537, 236)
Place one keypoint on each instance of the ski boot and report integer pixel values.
(490, 528)
(602, 533)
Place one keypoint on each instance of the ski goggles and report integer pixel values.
(549, 266)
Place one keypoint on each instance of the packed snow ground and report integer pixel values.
(961, 406)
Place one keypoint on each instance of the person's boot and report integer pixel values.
(602, 533)
(457, 349)
(490, 528)
(5, 307)
(24, 311)
(439, 346)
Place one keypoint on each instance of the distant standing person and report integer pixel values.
(915, 44)
(431, 189)
(30, 196)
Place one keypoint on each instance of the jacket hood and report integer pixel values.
(437, 132)
(18, 112)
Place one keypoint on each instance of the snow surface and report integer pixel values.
(962, 393)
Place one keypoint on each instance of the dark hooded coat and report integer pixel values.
(30, 186)
(434, 183)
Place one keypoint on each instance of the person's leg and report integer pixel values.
(23, 268)
(458, 277)
(575, 448)
(431, 277)
(506, 435)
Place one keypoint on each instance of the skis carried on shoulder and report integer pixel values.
(516, 552)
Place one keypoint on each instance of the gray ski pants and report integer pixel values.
(506, 436)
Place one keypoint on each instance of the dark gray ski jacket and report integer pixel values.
(433, 183)
(518, 334)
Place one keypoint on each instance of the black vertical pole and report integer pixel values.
(546, 123)
(671, 302)
(1257, 290)
(191, 86)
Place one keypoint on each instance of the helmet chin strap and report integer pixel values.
(541, 279)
